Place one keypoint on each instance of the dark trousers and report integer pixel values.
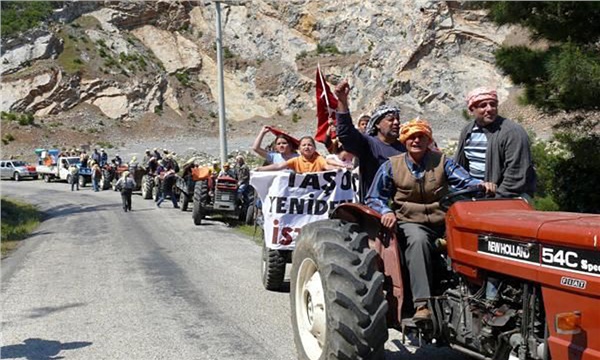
(126, 198)
(418, 247)
(74, 182)
(168, 192)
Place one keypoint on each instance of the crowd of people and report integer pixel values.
(403, 175)
(162, 165)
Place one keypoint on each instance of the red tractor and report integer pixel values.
(516, 284)
(216, 195)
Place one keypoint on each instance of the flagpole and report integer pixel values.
(323, 86)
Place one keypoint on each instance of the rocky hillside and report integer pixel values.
(114, 72)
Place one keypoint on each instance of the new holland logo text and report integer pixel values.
(512, 250)
(509, 249)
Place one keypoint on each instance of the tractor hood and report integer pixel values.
(514, 218)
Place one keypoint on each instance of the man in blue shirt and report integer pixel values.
(375, 146)
(415, 182)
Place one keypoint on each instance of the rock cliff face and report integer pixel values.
(132, 58)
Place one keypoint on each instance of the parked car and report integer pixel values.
(17, 170)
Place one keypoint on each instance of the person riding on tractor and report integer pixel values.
(415, 182)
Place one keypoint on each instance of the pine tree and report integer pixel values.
(566, 75)
(563, 76)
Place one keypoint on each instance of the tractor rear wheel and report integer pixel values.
(155, 191)
(147, 185)
(273, 268)
(337, 301)
(200, 201)
(184, 200)
(105, 180)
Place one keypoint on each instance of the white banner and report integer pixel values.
(291, 200)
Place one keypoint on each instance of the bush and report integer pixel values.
(26, 119)
(184, 78)
(327, 49)
(564, 182)
(18, 16)
(575, 181)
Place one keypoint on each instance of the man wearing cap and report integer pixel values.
(103, 158)
(496, 149)
(415, 182)
(375, 146)
(96, 156)
(362, 122)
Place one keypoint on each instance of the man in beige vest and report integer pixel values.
(415, 182)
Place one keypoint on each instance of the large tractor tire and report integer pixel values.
(184, 201)
(105, 180)
(147, 185)
(337, 300)
(200, 201)
(82, 181)
(155, 194)
(273, 268)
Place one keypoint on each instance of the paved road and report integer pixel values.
(96, 283)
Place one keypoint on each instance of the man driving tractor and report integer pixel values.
(415, 182)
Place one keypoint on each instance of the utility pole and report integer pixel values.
(222, 120)
(221, 90)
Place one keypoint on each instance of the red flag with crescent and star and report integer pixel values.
(326, 105)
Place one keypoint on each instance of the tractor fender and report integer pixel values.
(367, 219)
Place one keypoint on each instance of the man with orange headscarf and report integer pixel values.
(496, 149)
(415, 182)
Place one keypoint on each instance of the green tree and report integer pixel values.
(19, 16)
(564, 75)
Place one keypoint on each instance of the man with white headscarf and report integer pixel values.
(496, 149)
(375, 146)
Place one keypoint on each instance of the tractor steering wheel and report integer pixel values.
(470, 193)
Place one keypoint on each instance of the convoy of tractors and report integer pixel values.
(201, 189)
(512, 283)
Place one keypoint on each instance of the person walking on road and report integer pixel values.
(74, 178)
(126, 184)
(96, 175)
(167, 188)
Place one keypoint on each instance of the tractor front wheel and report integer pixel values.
(337, 301)
(184, 200)
(200, 201)
(273, 268)
(147, 185)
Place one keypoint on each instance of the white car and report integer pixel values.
(17, 170)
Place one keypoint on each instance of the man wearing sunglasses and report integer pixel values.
(496, 149)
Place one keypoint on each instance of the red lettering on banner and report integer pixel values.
(286, 234)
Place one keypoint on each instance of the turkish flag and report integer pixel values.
(326, 105)
(292, 140)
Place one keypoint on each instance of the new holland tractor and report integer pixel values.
(512, 284)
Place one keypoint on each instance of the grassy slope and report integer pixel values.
(18, 221)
